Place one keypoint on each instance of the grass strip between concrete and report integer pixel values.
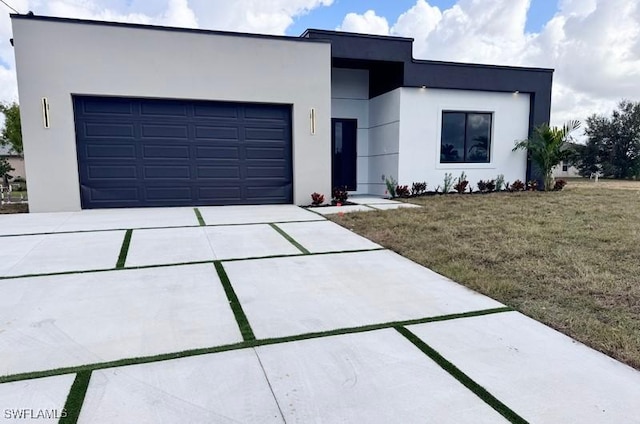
(466, 381)
(290, 239)
(200, 218)
(74, 402)
(243, 345)
(47, 233)
(251, 258)
(236, 307)
(122, 258)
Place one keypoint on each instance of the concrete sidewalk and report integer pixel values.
(269, 314)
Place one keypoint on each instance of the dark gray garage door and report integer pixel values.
(141, 152)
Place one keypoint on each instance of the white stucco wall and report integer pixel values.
(58, 59)
(421, 126)
(384, 133)
(350, 99)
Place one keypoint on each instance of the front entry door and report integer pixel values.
(343, 144)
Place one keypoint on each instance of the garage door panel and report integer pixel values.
(111, 130)
(170, 195)
(258, 135)
(218, 172)
(97, 106)
(276, 153)
(123, 195)
(225, 194)
(164, 109)
(138, 152)
(158, 151)
(216, 111)
(174, 172)
(266, 172)
(267, 194)
(216, 133)
(112, 172)
(165, 131)
(219, 153)
(255, 112)
(108, 151)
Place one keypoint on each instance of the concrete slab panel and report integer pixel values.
(325, 236)
(543, 375)
(259, 214)
(31, 223)
(372, 200)
(332, 210)
(248, 241)
(168, 246)
(386, 207)
(374, 377)
(14, 248)
(227, 387)
(289, 296)
(68, 320)
(116, 219)
(65, 252)
(39, 400)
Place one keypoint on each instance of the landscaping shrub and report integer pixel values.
(402, 191)
(340, 194)
(448, 183)
(317, 199)
(482, 186)
(517, 186)
(491, 185)
(559, 185)
(418, 188)
(461, 185)
(391, 184)
(532, 185)
(500, 184)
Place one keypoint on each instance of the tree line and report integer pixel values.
(612, 145)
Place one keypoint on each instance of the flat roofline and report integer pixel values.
(483, 65)
(164, 28)
(354, 34)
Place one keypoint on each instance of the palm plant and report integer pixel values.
(547, 147)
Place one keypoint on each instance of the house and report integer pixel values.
(127, 115)
(566, 170)
(15, 160)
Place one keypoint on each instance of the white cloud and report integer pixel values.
(268, 17)
(594, 45)
(367, 23)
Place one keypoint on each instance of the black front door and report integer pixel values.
(343, 144)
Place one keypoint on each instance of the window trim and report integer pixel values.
(473, 164)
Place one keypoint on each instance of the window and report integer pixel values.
(565, 166)
(466, 137)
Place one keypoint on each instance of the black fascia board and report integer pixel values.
(347, 45)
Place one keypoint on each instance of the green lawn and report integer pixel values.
(570, 259)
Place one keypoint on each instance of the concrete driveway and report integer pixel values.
(264, 314)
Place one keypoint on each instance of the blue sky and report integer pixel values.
(330, 17)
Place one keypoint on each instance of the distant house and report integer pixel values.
(127, 115)
(15, 160)
(565, 170)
